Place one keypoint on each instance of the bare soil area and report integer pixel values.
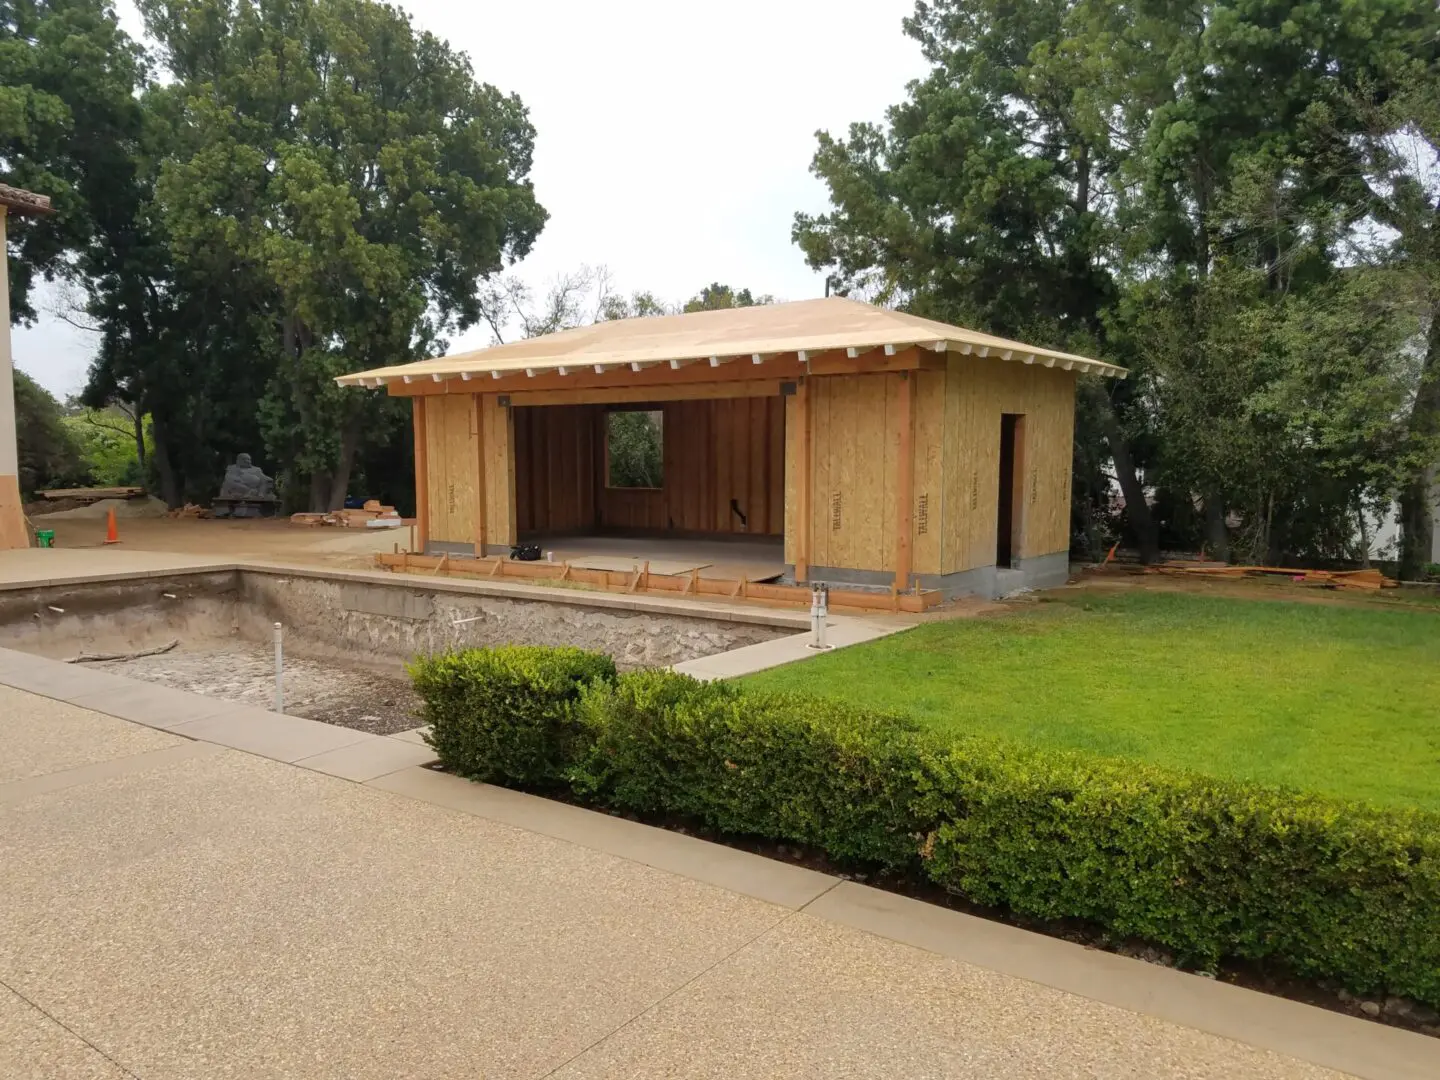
(379, 702)
(277, 540)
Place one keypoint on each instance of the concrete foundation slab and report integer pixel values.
(738, 871)
(369, 758)
(812, 998)
(284, 738)
(840, 632)
(154, 706)
(41, 736)
(991, 582)
(33, 1045)
(351, 934)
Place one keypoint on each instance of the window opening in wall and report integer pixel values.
(634, 448)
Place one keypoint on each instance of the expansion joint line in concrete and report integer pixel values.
(61, 1023)
(683, 986)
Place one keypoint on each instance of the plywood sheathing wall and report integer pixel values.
(557, 461)
(855, 437)
(977, 393)
(498, 453)
(928, 517)
(714, 451)
(452, 467)
(855, 446)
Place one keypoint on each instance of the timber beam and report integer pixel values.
(716, 369)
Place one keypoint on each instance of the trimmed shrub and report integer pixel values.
(773, 765)
(1211, 869)
(507, 714)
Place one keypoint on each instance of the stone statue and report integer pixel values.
(245, 481)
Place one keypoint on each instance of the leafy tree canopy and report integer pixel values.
(68, 121)
(1179, 188)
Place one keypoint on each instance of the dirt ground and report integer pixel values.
(251, 539)
(1266, 588)
(378, 702)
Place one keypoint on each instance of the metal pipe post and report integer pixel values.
(279, 669)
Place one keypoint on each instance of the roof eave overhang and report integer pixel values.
(438, 370)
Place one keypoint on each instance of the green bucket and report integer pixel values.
(45, 538)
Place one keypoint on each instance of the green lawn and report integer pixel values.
(1338, 699)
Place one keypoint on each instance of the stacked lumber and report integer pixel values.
(189, 510)
(89, 495)
(1369, 580)
(371, 515)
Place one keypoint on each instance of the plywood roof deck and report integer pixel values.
(753, 336)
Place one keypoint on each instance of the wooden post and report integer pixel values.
(905, 488)
(803, 514)
(478, 428)
(422, 478)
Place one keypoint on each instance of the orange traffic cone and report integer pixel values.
(112, 534)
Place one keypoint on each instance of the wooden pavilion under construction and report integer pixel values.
(871, 447)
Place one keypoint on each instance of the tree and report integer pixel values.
(345, 178)
(1395, 164)
(49, 454)
(636, 445)
(716, 297)
(575, 298)
(987, 198)
(68, 117)
(113, 454)
(586, 295)
(1140, 181)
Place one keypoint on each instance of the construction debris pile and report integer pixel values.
(1370, 580)
(371, 516)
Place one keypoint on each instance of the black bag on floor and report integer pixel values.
(525, 552)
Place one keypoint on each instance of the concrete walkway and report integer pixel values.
(172, 906)
(840, 631)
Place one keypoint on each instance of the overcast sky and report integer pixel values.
(673, 143)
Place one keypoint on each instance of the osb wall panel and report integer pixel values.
(714, 451)
(855, 445)
(452, 462)
(498, 435)
(928, 514)
(794, 462)
(977, 392)
(557, 462)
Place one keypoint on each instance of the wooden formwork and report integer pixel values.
(641, 580)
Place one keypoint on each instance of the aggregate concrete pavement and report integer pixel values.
(172, 906)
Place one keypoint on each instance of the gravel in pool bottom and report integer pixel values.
(353, 697)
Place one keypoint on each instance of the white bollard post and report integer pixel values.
(279, 671)
(819, 615)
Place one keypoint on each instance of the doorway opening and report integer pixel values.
(1010, 503)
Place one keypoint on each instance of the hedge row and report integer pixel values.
(1211, 869)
